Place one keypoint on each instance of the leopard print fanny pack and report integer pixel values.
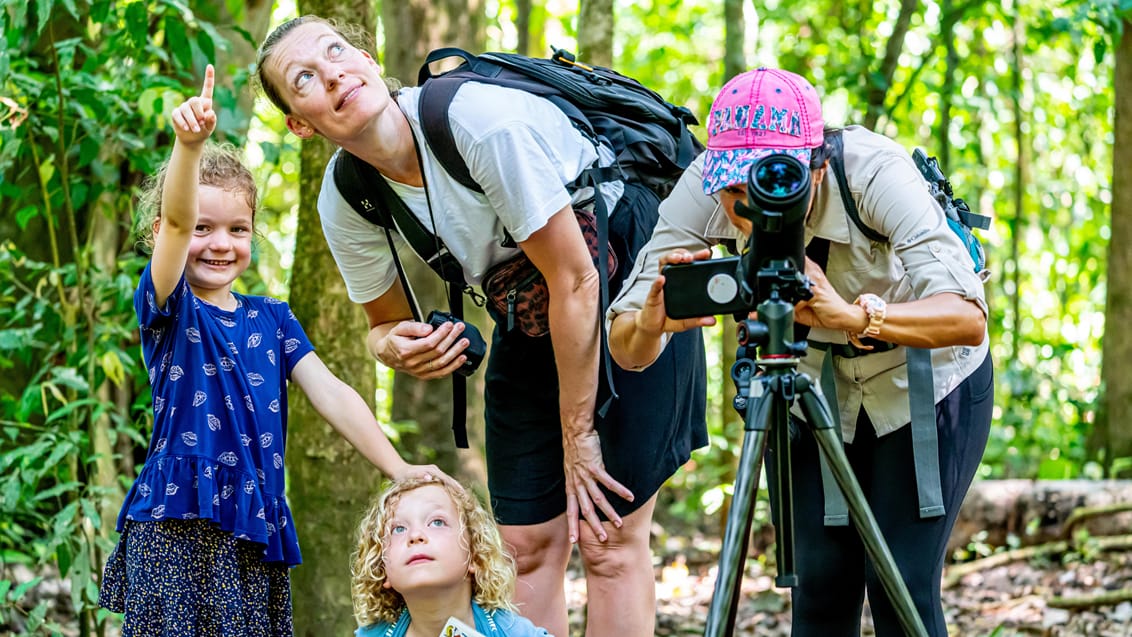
(517, 294)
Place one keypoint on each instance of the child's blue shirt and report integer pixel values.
(219, 382)
(495, 623)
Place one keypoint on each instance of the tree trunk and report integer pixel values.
(731, 421)
(412, 29)
(1021, 179)
(734, 35)
(878, 86)
(1111, 439)
(595, 32)
(734, 63)
(330, 483)
(106, 241)
(1034, 512)
(948, 92)
(523, 26)
(415, 27)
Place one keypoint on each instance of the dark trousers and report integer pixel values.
(834, 571)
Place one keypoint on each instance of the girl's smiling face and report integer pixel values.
(221, 246)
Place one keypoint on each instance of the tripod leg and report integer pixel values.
(820, 422)
(733, 553)
(783, 481)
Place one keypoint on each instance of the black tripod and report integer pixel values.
(764, 401)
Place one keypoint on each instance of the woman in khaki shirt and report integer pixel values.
(915, 295)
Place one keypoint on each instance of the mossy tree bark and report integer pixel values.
(595, 32)
(330, 483)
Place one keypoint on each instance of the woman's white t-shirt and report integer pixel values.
(520, 148)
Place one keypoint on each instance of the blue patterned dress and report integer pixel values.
(215, 467)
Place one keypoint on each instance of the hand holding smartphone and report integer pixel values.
(702, 288)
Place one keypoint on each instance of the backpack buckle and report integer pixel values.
(562, 56)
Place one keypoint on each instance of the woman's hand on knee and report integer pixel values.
(585, 474)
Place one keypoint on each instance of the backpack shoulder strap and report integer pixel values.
(837, 161)
(921, 387)
(435, 100)
(353, 181)
(369, 203)
(370, 196)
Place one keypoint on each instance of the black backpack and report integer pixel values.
(648, 135)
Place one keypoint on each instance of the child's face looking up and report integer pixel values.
(427, 548)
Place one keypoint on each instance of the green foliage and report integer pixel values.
(91, 83)
(85, 86)
(1049, 345)
(666, 44)
(50, 510)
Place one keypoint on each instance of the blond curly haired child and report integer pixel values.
(428, 551)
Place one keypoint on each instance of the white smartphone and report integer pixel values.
(456, 628)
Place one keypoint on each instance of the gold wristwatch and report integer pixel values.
(875, 308)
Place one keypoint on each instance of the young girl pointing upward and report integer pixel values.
(206, 533)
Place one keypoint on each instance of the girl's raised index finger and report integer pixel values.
(209, 79)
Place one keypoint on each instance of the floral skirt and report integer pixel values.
(188, 578)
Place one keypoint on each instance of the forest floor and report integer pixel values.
(1011, 600)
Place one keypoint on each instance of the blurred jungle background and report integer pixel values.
(1026, 103)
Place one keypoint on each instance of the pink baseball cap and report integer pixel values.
(759, 113)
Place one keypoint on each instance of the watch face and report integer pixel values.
(874, 307)
(871, 303)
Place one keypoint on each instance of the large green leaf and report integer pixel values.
(178, 40)
(42, 14)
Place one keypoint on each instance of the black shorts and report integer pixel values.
(648, 433)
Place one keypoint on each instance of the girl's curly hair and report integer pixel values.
(220, 167)
(353, 34)
(493, 579)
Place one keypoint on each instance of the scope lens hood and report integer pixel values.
(778, 182)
